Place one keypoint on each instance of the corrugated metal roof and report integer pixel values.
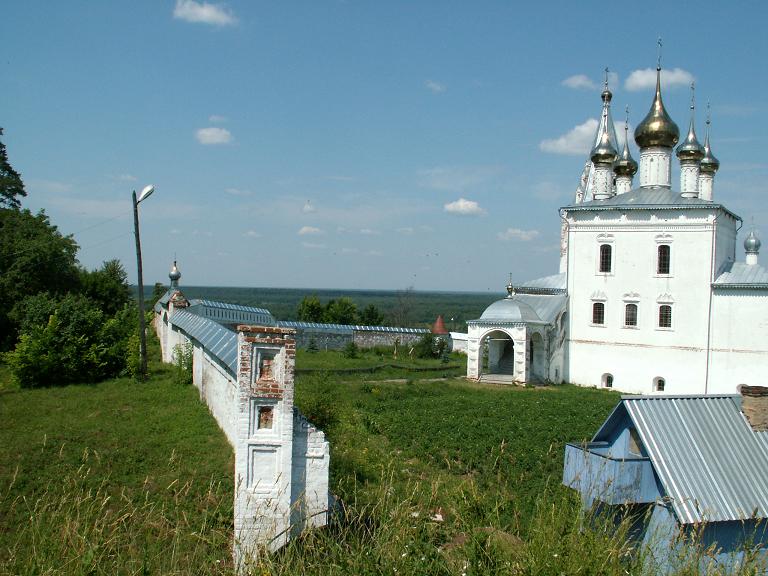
(347, 328)
(215, 338)
(648, 198)
(710, 461)
(554, 282)
(742, 274)
(232, 313)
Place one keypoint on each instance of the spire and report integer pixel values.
(604, 154)
(625, 167)
(690, 152)
(708, 166)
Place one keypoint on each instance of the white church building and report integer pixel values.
(651, 296)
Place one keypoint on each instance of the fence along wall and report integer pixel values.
(246, 377)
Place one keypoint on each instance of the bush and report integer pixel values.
(69, 340)
(426, 347)
(351, 350)
(182, 361)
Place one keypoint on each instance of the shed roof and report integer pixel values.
(218, 340)
(712, 464)
(742, 275)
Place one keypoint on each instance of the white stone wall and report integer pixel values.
(634, 356)
(218, 389)
(655, 166)
(739, 340)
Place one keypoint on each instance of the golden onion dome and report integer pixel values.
(657, 128)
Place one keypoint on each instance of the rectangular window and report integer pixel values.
(598, 313)
(605, 258)
(664, 259)
(665, 316)
(630, 315)
(266, 417)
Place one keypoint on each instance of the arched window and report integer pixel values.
(607, 380)
(630, 315)
(665, 316)
(605, 258)
(598, 313)
(664, 259)
(659, 384)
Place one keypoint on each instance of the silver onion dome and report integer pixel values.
(752, 243)
(604, 151)
(691, 149)
(657, 128)
(625, 165)
(709, 164)
(174, 274)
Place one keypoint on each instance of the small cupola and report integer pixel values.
(752, 247)
(625, 167)
(174, 275)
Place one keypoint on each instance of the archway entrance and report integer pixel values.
(498, 355)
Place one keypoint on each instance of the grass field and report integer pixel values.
(434, 477)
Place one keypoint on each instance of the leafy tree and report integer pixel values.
(341, 311)
(427, 347)
(370, 316)
(310, 309)
(107, 286)
(157, 292)
(34, 258)
(11, 185)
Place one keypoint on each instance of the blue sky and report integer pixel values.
(344, 144)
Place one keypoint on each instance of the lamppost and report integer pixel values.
(142, 329)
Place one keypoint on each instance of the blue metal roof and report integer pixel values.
(554, 283)
(347, 328)
(742, 275)
(712, 464)
(231, 313)
(546, 307)
(215, 338)
(649, 198)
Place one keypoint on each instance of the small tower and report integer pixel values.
(656, 135)
(690, 153)
(625, 167)
(752, 248)
(709, 165)
(174, 275)
(604, 154)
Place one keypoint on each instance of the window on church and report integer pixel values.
(605, 258)
(630, 315)
(665, 316)
(598, 313)
(659, 384)
(266, 417)
(607, 380)
(664, 259)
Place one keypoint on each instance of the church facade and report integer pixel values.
(650, 296)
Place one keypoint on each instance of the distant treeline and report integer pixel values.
(399, 307)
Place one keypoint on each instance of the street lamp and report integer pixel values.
(145, 193)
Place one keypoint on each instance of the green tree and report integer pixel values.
(157, 292)
(310, 309)
(370, 316)
(107, 286)
(11, 185)
(341, 311)
(34, 257)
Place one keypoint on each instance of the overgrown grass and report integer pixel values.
(433, 478)
(379, 364)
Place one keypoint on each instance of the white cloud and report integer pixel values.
(238, 192)
(406, 231)
(126, 178)
(464, 207)
(309, 230)
(252, 234)
(518, 234)
(434, 87)
(313, 246)
(308, 208)
(203, 13)
(369, 232)
(576, 141)
(216, 119)
(456, 178)
(579, 82)
(175, 231)
(213, 135)
(644, 79)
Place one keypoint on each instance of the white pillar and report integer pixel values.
(602, 183)
(656, 166)
(706, 185)
(623, 184)
(689, 179)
